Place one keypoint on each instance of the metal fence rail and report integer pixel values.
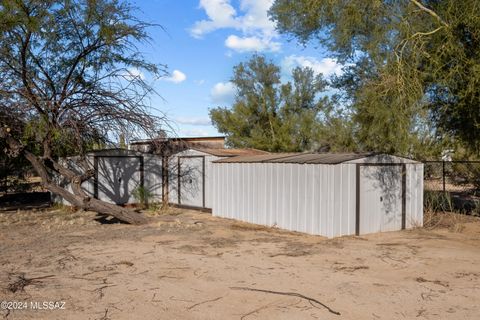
(452, 176)
(457, 181)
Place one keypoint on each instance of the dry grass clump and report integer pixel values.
(243, 226)
(162, 210)
(445, 220)
(439, 213)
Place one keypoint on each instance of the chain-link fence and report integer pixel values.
(453, 185)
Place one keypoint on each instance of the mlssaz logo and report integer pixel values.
(47, 305)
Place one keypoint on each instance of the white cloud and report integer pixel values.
(194, 121)
(221, 14)
(257, 30)
(177, 76)
(326, 66)
(200, 82)
(247, 44)
(256, 16)
(223, 93)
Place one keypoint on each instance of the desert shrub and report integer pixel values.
(454, 222)
(142, 195)
(467, 173)
(437, 201)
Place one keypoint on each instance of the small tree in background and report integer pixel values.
(274, 116)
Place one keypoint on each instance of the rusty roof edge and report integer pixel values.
(279, 158)
(284, 158)
(231, 159)
(375, 154)
(209, 151)
(355, 156)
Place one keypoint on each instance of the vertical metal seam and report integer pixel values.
(142, 176)
(357, 201)
(203, 181)
(142, 172)
(95, 179)
(178, 181)
(404, 195)
(165, 180)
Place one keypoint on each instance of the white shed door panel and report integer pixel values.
(380, 198)
(191, 181)
(118, 177)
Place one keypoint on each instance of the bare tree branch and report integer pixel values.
(429, 11)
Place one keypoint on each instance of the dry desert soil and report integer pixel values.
(190, 265)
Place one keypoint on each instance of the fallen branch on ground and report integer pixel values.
(100, 290)
(22, 282)
(206, 301)
(438, 282)
(293, 294)
(105, 317)
(253, 311)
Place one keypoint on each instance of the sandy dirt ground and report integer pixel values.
(189, 265)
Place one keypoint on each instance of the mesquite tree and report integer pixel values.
(274, 116)
(70, 79)
(413, 77)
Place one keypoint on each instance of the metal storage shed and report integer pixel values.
(323, 194)
(183, 178)
(118, 172)
(189, 176)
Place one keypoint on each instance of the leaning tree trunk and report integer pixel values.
(80, 199)
(77, 197)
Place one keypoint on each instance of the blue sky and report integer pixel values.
(201, 41)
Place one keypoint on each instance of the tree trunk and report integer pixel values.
(78, 197)
(123, 214)
(92, 204)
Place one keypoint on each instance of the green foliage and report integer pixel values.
(337, 134)
(467, 173)
(64, 74)
(12, 172)
(413, 82)
(274, 116)
(142, 195)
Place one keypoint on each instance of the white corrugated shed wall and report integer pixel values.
(414, 196)
(316, 199)
(209, 180)
(152, 176)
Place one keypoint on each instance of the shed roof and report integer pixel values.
(300, 158)
(221, 152)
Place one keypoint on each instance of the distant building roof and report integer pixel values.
(192, 139)
(173, 145)
(115, 152)
(220, 152)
